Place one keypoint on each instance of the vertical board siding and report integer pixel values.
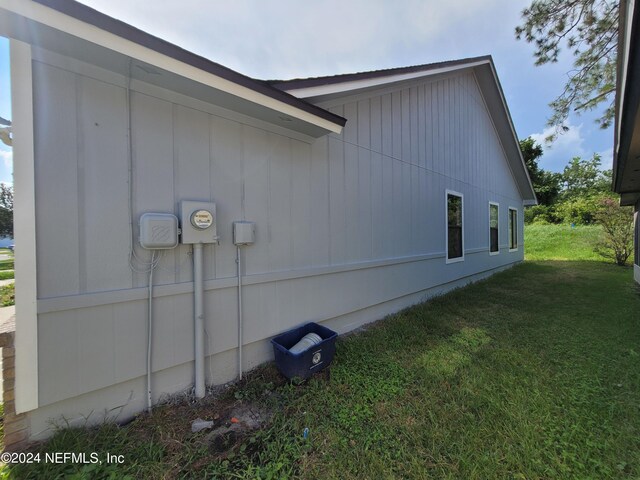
(129, 323)
(280, 238)
(103, 211)
(227, 189)
(320, 244)
(58, 361)
(256, 196)
(375, 128)
(96, 359)
(364, 124)
(378, 229)
(351, 205)
(364, 204)
(152, 145)
(337, 218)
(191, 174)
(56, 181)
(374, 192)
(301, 199)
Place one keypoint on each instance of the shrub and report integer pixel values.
(540, 214)
(579, 210)
(617, 224)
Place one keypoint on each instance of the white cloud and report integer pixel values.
(566, 146)
(282, 39)
(6, 156)
(606, 157)
(6, 166)
(288, 38)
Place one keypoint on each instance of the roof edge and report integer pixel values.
(124, 30)
(627, 99)
(297, 83)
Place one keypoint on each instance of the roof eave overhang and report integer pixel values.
(75, 30)
(626, 159)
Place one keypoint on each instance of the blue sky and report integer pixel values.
(6, 169)
(288, 38)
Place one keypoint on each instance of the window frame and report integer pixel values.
(496, 204)
(513, 209)
(446, 226)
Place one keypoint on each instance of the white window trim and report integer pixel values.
(446, 226)
(498, 251)
(516, 227)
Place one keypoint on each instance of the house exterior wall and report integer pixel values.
(350, 227)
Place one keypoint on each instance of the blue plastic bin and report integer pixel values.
(304, 364)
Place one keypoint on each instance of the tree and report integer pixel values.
(6, 210)
(584, 187)
(589, 28)
(617, 224)
(545, 184)
(583, 178)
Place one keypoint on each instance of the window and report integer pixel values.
(513, 229)
(455, 231)
(494, 247)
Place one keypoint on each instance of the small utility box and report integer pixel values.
(310, 361)
(158, 231)
(244, 233)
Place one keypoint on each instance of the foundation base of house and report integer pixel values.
(16, 427)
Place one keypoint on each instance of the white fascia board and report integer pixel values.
(24, 214)
(344, 87)
(54, 19)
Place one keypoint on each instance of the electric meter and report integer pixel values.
(201, 219)
(198, 222)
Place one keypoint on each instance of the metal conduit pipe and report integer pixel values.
(198, 311)
(239, 262)
(150, 330)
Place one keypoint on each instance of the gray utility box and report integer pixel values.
(198, 222)
(158, 231)
(244, 233)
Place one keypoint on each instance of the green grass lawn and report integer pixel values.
(8, 295)
(534, 373)
(6, 264)
(6, 269)
(7, 275)
(561, 242)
